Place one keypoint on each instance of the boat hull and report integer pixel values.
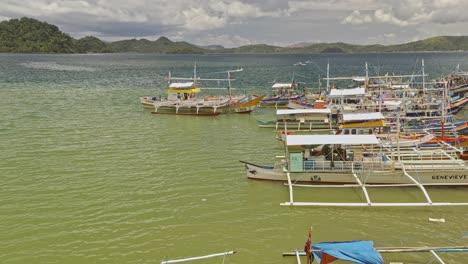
(273, 101)
(240, 108)
(396, 176)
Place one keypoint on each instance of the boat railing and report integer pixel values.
(433, 155)
(308, 124)
(327, 165)
(450, 166)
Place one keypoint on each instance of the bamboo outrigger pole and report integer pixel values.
(199, 257)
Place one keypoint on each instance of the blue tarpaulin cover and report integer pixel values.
(354, 251)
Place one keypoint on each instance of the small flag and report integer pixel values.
(307, 247)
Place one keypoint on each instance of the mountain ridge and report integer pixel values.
(28, 35)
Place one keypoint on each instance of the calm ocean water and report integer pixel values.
(89, 176)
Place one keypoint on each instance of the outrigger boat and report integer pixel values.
(458, 83)
(300, 119)
(183, 99)
(351, 161)
(283, 93)
(374, 164)
(375, 124)
(309, 121)
(360, 251)
(191, 104)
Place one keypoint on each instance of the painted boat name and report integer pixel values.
(450, 177)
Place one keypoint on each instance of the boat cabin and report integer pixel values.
(362, 120)
(349, 99)
(303, 119)
(182, 91)
(283, 89)
(332, 152)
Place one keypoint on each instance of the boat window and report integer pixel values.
(346, 132)
(353, 131)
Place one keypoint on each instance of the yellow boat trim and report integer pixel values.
(251, 103)
(377, 123)
(191, 90)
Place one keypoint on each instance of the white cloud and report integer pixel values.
(332, 5)
(356, 18)
(447, 3)
(413, 13)
(200, 19)
(242, 22)
(227, 41)
(235, 9)
(388, 17)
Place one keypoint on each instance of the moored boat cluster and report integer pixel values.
(382, 131)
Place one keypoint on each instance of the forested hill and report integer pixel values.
(28, 35)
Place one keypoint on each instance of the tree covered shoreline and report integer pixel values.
(28, 35)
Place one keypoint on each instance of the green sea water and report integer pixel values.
(89, 176)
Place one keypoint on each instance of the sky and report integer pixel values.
(242, 22)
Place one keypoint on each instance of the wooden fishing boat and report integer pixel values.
(298, 104)
(435, 126)
(299, 119)
(361, 251)
(460, 141)
(283, 93)
(362, 120)
(341, 164)
(309, 121)
(457, 104)
(206, 106)
(457, 83)
(362, 164)
(183, 98)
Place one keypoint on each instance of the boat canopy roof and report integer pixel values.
(347, 92)
(362, 116)
(354, 251)
(302, 111)
(281, 85)
(400, 86)
(392, 103)
(181, 85)
(299, 140)
(359, 79)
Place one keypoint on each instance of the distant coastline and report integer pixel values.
(28, 35)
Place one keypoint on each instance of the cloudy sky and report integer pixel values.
(234, 23)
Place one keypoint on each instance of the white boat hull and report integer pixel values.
(395, 176)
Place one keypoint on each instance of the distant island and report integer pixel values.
(28, 35)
